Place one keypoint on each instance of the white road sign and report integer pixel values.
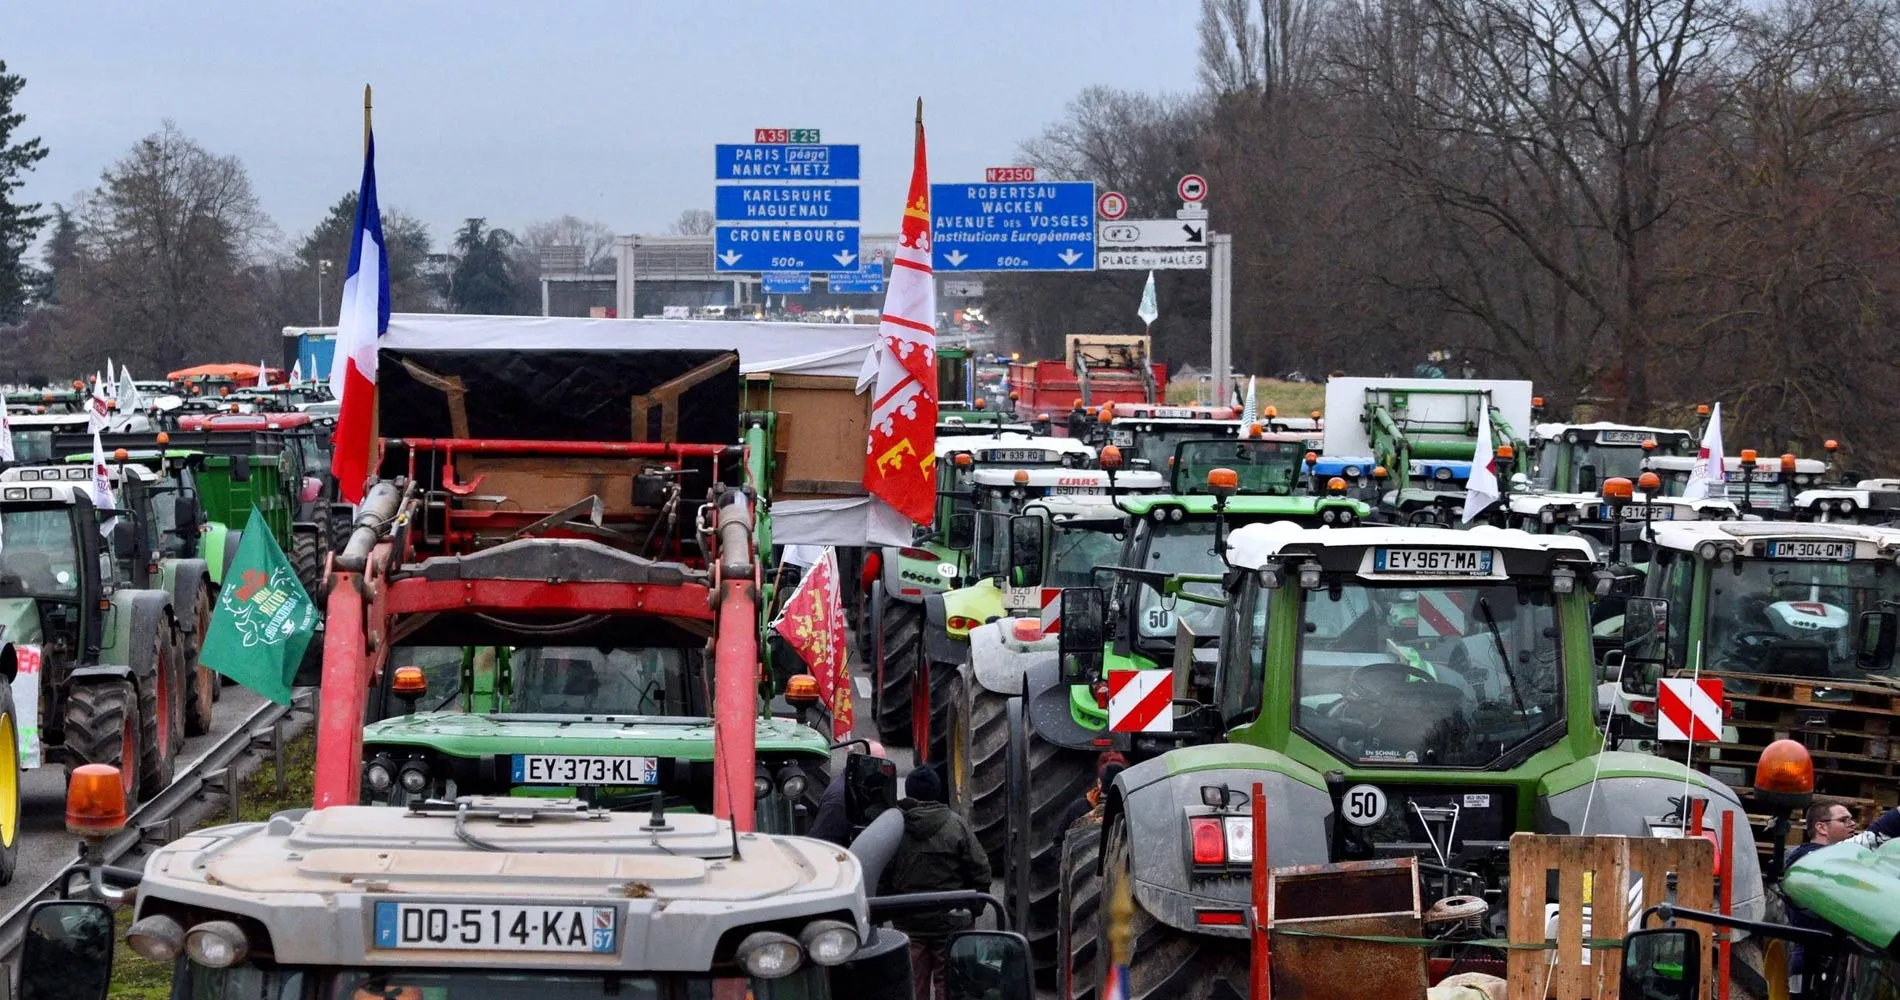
(1142, 260)
(1151, 233)
(963, 289)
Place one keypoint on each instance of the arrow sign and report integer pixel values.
(1034, 226)
(956, 258)
(783, 248)
(1130, 233)
(844, 258)
(731, 258)
(1069, 256)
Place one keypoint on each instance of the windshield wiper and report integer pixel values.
(1491, 623)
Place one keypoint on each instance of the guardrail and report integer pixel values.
(157, 820)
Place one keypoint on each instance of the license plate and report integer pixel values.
(1073, 491)
(550, 769)
(1454, 562)
(1812, 551)
(1639, 512)
(1121, 439)
(496, 927)
(1015, 455)
(1622, 437)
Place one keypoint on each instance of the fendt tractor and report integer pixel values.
(1867, 501)
(938, 559)
(1578, 458)
(89, 638)
(1147, 435)
(1038, 734)
(995, 495)
(1412, 696)
(574, 611)
(1797, 622)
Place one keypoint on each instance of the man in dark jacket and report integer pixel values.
(939, 853)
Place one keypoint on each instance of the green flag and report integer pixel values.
(264, 619)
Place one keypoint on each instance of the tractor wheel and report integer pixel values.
(9, 784)
(988, 734)
(341, 524)
(161, 711)
(103, 727)
(1164, 963)
(307, 559)
(893, 666)
(1081, 908)
(1045, 781)
(943, 682)
(202, 682)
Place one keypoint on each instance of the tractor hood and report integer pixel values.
(461, 734)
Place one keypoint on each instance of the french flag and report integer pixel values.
(360, 326)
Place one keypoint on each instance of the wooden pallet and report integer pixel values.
(1852, 731)
(1587, 868)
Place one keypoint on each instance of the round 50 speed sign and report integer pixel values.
(1111, 205)
(1193, 187)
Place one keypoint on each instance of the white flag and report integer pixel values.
(1250, 410)
(98, 413)
(1481, 490)
(296, 372)
(129, 401)
(112, 381)
(6, 431)
(1709, 470)
(263, 376)
(101, 484)
(1148, 311)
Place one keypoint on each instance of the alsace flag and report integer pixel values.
(1709, 468)
(360, 325)
(1481, 490)
(900, 455)
(1689, 709)
(813, 625)
(1141, 701)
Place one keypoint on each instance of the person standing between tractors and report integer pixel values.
(939, 853)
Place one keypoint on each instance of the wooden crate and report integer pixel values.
(1852, 731)
(1595, 868)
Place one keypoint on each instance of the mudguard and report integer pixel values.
(938, 646)
(99, 672)
(134, 613)
(1047, 701)
(232, 539)
(998, 665)
(1157, 796)
(1629, 790)
(214, 546)
(184, 578)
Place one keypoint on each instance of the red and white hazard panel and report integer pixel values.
(1689, 710)
(1442, 613)
(1051, 609)
(1141, 701)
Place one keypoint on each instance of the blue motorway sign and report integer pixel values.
(792, 283)
(867, 281)
(786, 203)
(784, 248)
(771, 162)
(1038, 226)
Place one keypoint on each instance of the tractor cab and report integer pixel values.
(1761, 486)
(33, 433)
(1869, 501)
(1578, 458)
(55, 562)
(1148, 435)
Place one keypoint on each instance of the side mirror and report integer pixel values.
(1586, 478)
(1645, 630)
(1663, 963)
(1874, 646)
(1084, 633)
(987, 965)
(67, 953)
(870, 788)
(1024, 567)
(961, 532)
(185, 512)
(240, 468)
(125, 539)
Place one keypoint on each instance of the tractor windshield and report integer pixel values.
(33, 445)
(1266, 468)
(1440, 676)
(1079, 549)
(1155, 443)
(40, 552)
(544, 680)
(1787, 617)
(1179, 547)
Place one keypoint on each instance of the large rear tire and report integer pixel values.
(9, 784)
(1045, 782)
(1164, 963)
(307, 559)
(103, 727)
(987, 792)
(202, 682)
(943, 684)
(899, 644)
(1080, 908)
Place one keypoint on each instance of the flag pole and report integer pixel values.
(366, 119)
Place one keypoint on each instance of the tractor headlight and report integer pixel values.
(414, 777)
(217, 944)
(792, 782)
(380, 774)
(769, 954)
(829, 942)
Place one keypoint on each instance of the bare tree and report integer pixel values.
(692, 222)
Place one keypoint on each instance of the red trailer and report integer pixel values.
(1095, 369)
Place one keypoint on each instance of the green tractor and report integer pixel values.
(1425, 433)
(892, 627)
(1036, 734)
(1577, 458)
(1400, 695)
(91, 643)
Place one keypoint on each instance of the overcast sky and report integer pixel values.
(523, 111)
